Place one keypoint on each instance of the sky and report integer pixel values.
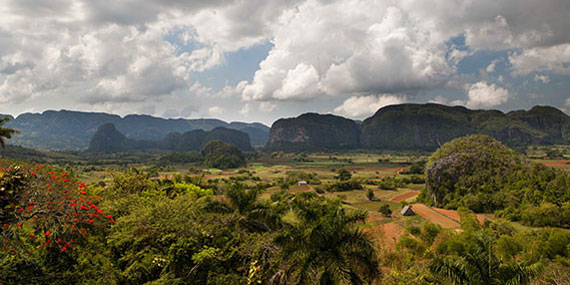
(259, 60)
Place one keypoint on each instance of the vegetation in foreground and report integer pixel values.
(258, 226)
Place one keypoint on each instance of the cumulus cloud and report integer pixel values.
(116, 53)
(555, 59)
(326, 48)
(484, 95)
(364, 106)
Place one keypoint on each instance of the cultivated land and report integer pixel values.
(368, 167)
(387, 178)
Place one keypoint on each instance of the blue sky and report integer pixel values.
(263, 60)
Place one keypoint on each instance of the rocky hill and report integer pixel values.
(109, 139)
(70, 130)
(428, 126)
(314, 132)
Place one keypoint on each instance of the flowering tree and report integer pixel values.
(43, 209)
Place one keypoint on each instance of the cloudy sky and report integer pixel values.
(258, 60)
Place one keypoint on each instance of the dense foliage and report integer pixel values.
(217, 154)
(483, 175)
(138, 230)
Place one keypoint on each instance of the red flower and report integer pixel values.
(19, 225)
(46, 234)
(90, 221)
(21, 210)
(32, 236)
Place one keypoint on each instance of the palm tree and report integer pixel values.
(325, 246)
(5, 133)
(243, 204)
(477, 264)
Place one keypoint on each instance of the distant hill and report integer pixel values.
(108, 139)
(428, 126)
(314, 132)
(419, 127)
(71, 130)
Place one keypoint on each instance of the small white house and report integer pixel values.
(302, 183)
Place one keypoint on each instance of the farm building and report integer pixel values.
(407, 211)
(302, 183)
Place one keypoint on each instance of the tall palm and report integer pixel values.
(5, 133)
(325, 246)
(251, 214)
(477, 264)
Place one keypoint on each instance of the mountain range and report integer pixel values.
(108, 139)
(395, 127)
(419, 127)
(72, 130)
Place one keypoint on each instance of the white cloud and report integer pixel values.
(327, 47)
(543, 78)
(364, 106)
(555, 59)
(484, 95)
(215, 111)
(491, 67)
(267, 107)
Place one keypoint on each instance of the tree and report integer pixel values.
(471, 258)
(5, 133)
(385, 210)
(325, 245)
(343, 175)
(370, 195)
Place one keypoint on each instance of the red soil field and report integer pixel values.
(452, 214)
(387, 234)
(405, 196)
(434, 216)
(556, 163)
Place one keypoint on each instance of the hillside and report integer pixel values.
(428, 126)
(483, 175)
(108, 139)
(71, 130)
(313, 132)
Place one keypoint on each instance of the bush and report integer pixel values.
(385, 210)
(342, 186)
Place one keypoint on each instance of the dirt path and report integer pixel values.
(434, 216)
(405, 196)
